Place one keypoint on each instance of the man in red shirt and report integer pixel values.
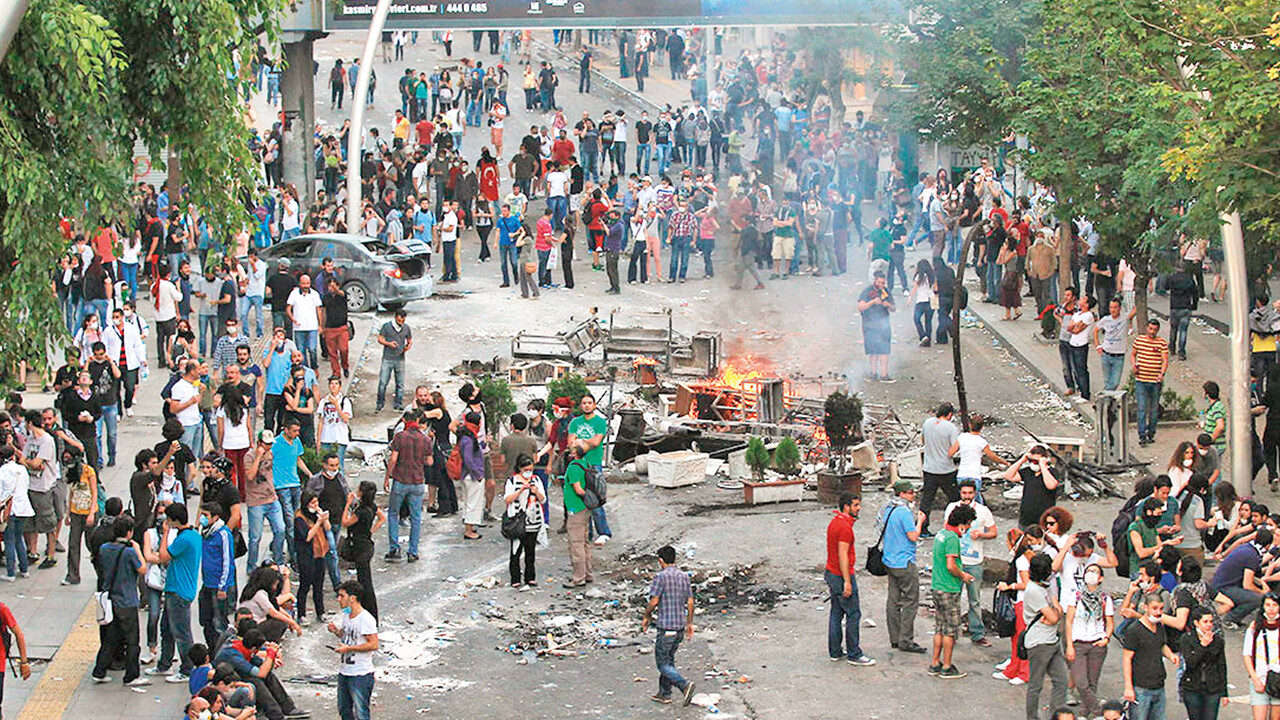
(845, 608)
(19, 640)
(425, 131)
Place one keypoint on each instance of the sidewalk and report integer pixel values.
(1215, 314)
(59, 623)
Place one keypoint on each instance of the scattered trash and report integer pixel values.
(705, 700)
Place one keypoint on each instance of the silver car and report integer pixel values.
(374, 274)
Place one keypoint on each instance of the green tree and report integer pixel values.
(787, 456)
(81, 82)
(757, 458)
(826, 70)
(966, 58)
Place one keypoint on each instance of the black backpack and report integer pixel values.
(1120, 537)
(596, 492)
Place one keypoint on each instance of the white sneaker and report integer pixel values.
(139, 682)
(128, 412)
(176, 678)
(147, 658)
(154, 671)
(9, 578)
(601, 540)
(1003, 665)
(1017, 681)
(999, 675)
(102, 680)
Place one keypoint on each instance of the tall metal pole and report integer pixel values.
(10, 19)
(1240, 421)
(356, 133)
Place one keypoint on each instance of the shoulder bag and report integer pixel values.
(875, 553)
(103, 608)
(1022, 639)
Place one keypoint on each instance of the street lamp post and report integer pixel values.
(356, 134)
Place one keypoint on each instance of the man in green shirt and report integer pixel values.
(589, 429)
(947, 581)
(1214, 419)
(578, 520)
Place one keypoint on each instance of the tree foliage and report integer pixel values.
(826, 70)
(81, 82)
(757, 457)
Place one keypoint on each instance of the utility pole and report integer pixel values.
(10, 19)
(1240, 423)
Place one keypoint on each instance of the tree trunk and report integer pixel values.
(174, 180)
(1140, 282)
(956, 362)
(835, 90)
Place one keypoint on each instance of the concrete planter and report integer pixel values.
(831, 485)
(760, 493)
(677, 469)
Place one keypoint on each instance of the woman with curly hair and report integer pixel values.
(1056, 523)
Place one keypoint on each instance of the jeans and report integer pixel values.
(275, 518)
(15, 547)
(1179, 323)
(846, 611)
(896, 267)
(129, 274)
(214, 612)
(662, 156)
(280, 318)
(402, 493)
(1086, 669)
(1068, 368)
(331, 558)
(944, 324)
(155, 608)
(707, 246)
(664, 654)
(251, 302)
(95, 307)
(679, 257)
(639, 258)
(902, 603)
(544, 275)
(208, 331)
(1246, 603)
(1080, 369)
(1148, 397)
(109, 421)
(1047, 660)
(308, 341)
(973, 589)
(599, 523)
(923, 318)
(175, 631)
(310, 582)
(1112, 370)
(619, 154)
(354, 692)
(525, 547)
(75, 541)
(559, 210)
(994, 273)
(643, 153)
(288, 499)
(1201, 706)
(1149, 705)
(193, 437)
(449, 250)
(389, 366)
(509, 255)
(590, 166)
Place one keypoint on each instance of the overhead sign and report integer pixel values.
(513, 14)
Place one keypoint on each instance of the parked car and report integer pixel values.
(374, 274)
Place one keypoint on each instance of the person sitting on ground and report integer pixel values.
(254, 660)
(1239, 578)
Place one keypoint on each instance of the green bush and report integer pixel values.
(757, 457)
(787, 456)
(572, 386)
(498, 403)
(311, 458)
(1173, 406)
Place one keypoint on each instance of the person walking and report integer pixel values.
(1143, 667)
(670, 609)
(524, 494)
(1090, 622)
(358, 631)
(845, 618)
(82, 507)
(875, 303)
(180, 549)
(902, 525)
(577, 517)
(217, 572)
(947, 581)
(1150, 358)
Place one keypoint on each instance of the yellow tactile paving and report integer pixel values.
(70, 663)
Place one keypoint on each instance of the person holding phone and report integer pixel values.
(524, 494)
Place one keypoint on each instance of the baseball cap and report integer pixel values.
(903, 486)
(267, 437)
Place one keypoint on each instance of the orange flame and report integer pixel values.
(736, 373)
(644, 360)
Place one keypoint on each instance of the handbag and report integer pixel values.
(875, 553)
(1022, 639)
(1004, 614)
(1272, 682)
(103, 608)
(347, 549)
(513, 525)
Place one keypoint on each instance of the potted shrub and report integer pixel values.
(786, 457)
(842, 421)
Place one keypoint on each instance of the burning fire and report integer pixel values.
(820, 435)
(736, 373)
(644, 360)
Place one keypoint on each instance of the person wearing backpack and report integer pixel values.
(579, 517)
(121, 562)
(590, 428)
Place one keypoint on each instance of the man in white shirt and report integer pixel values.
(184, 404)
(449, 242)
(304, 310)
(358, 632)
(972, 553)
(558, 196)
(125, 346)
(255, 291)
(167, 298)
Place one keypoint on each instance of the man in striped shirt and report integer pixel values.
(1150, 361)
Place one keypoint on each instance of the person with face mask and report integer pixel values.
(1090, 622)
(1041, 614)
(82, 507)
(1144, 541)
(524, 494)
(1025, 546)
(331, 487)
(1144, 673)
(217, 572)
(154, 580)
(311, 529)
(1204, 679)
